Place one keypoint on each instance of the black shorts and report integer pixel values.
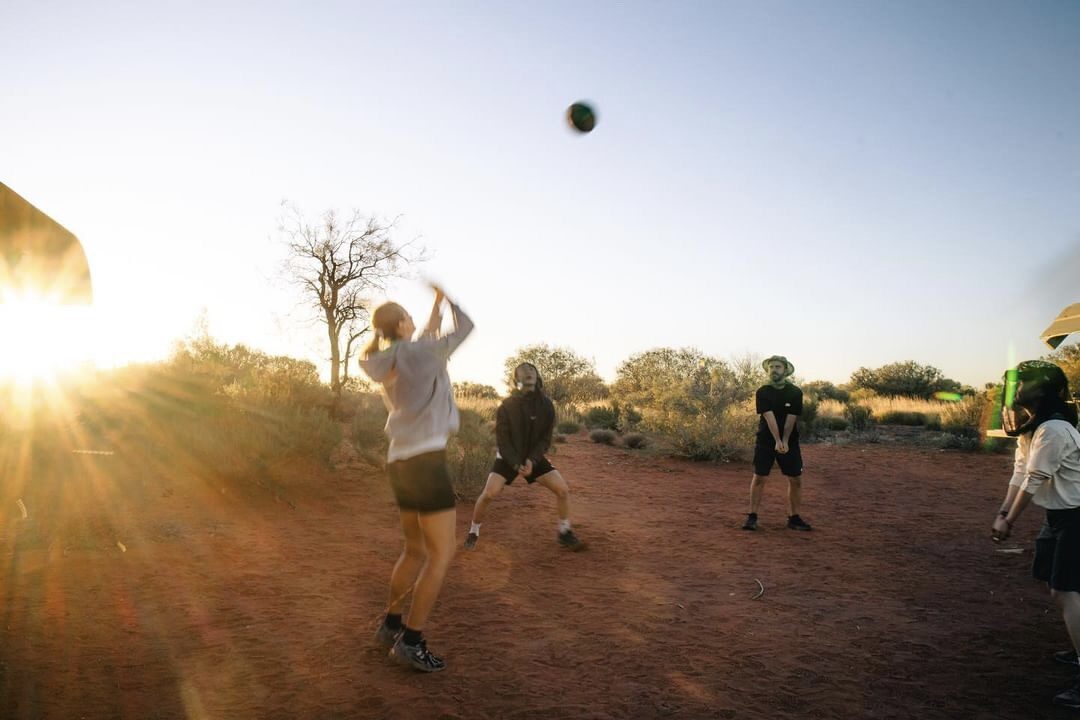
(422, 483)
(540, 469)
(765, 455)
(1057, 551)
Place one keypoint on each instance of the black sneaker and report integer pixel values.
(797, 523)
(470, 541)
(1066, 657)
(418, 657)
(751, 522)
(386, 636)
(569, 540)
(1069, 698)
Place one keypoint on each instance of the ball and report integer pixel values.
(581, 117)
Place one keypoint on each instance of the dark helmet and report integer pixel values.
(1033, 392)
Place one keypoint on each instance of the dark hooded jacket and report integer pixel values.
(524, 425)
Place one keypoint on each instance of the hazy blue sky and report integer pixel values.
(846, 183)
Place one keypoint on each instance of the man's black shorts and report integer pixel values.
(541, 468)
(765, 455)
(1057, 551)
(422, 483)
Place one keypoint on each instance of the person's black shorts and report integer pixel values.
(541, 468)
(765, 455)
(422, 483)
(1057, 551)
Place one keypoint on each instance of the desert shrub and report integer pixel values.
(628, 417)
(602, 417)
(212, 410)
(964, 417)
(904, 378)
(868, 435)
(933, 421)
(635, 441)
(832, 423)
(967, 443)
(824, 390)
(693, 401)
(469, 454)
(830, 408)
(568, 377)
(475, 390)
(858, 416)
(726, 436)
(368, 428)
(568, 427)
(487, 408)
(559, 438)
(902, 417)
(603, 436)
(809, 415)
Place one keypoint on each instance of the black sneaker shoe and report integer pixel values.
(751, 522)
(470, 541)
(1069, 698)
(386, 636)
(1066, 657)
(797, 523)
(569, 540)
(418, 657)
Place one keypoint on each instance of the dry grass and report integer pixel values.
(882, 406)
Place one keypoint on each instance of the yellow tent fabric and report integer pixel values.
(39, 256)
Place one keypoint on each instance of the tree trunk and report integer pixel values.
(335, 363)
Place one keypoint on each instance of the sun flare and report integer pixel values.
(42, 339)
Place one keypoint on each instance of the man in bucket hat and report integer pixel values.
(779, 403)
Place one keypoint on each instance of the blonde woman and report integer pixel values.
(422, 416)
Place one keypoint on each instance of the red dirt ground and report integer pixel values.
(227, 603)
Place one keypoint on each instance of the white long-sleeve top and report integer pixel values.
(1047, 465)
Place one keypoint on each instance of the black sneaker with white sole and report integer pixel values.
(1066, 657)
(751, 522)
(795, 522)
(470, 541)
(569, 540)
(1069, 698)
(418, 657)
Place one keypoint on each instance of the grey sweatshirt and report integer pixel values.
(419, 398)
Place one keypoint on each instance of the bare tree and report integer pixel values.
(337, 265)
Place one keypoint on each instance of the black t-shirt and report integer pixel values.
(783, 402)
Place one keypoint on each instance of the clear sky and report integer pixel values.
(845, 183)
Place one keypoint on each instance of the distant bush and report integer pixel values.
(832, 423)
(559, 438)
(858, 416)
(603, 417)
(809, 414)
(568, 427)
(368, 428)
(909, 379)
(933, 421)
(823, 390)
(635, 441)
(475, 390)
(469, 455)
(603, 436)
(487, 408)
(568, 377)
(964, 417)
(902, 417)
(952, 441)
